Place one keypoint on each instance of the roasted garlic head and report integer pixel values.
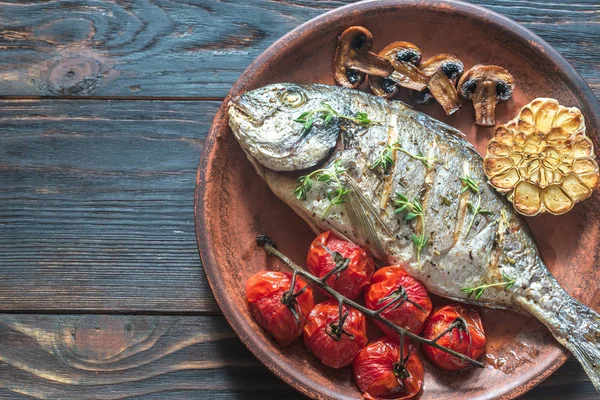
(542, 160)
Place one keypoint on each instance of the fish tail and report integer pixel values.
(583, 339)
(573, 324)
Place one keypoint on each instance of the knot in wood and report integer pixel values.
(77, 75)
(102, 337)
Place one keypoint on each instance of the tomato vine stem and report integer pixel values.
(269, 246)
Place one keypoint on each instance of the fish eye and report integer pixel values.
(293, 98)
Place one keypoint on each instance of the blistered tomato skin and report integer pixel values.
(264, 293)
(320, 336)
(470, 342)
(380, 373)
(387, 283)
(352, 280)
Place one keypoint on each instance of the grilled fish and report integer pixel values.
(413, 191)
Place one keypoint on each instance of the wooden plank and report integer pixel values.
(116, 356)
(96, 205)
(157, 357)
(198, 49)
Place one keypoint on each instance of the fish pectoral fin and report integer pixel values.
(367, 205)
(359, 217)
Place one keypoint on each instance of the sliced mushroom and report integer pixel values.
(485, 85)
(444, 71)
(353, 59)
(405, 57)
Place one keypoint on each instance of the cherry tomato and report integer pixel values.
(282, 314)
(466, 336)
(357, 266)
(381, 372)
(412, 304)
(336, 347)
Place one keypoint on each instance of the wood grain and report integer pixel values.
(198, 49)
(96, 205)
(96, 196)
(155, 357)
(122, 356)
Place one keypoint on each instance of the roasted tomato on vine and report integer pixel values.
(383, 370)
(335, 335)
(277, 309)
(348, 267)
(404, 299)
(458, 328)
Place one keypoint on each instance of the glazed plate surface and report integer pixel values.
(233, 204)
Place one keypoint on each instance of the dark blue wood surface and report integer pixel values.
(104, 107)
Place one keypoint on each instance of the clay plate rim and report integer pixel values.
(205, 242)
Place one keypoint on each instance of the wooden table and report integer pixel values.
(104, 111)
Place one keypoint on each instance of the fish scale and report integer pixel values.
(497, 246)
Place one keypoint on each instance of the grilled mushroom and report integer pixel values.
(444, 71)
(353, 59)
(405, 57)
(485, 85)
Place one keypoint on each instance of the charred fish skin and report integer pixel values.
(471, 235)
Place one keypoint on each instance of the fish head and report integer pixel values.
(281, 128)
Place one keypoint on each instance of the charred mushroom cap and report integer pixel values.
(485, 85)
(396, 53)
(353, 59)
(444, 71)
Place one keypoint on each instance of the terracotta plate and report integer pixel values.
(233, 205)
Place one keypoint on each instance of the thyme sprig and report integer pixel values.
(269, 247)
(386, 160)
(413, 210)
(472, 185)
(308, 118)
(469, 184)
(478, 290)
(475, 210)
(337, 194)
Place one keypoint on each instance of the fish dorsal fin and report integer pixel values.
(435, 125)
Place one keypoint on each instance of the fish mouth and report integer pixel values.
(240, 111)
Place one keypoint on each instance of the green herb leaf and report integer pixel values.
(473, 186)
(363, 118)
(302, 117)
(470, 183)
(385, 157)
(401, 209)
(410, 216)
(300, 193)
(413, 210)
(478, 290)
(401, 197)
(478, 293)
(324, 177)
(510, 282)
(308, 118)
(417, 206)
(419, 240)
(337, 193)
